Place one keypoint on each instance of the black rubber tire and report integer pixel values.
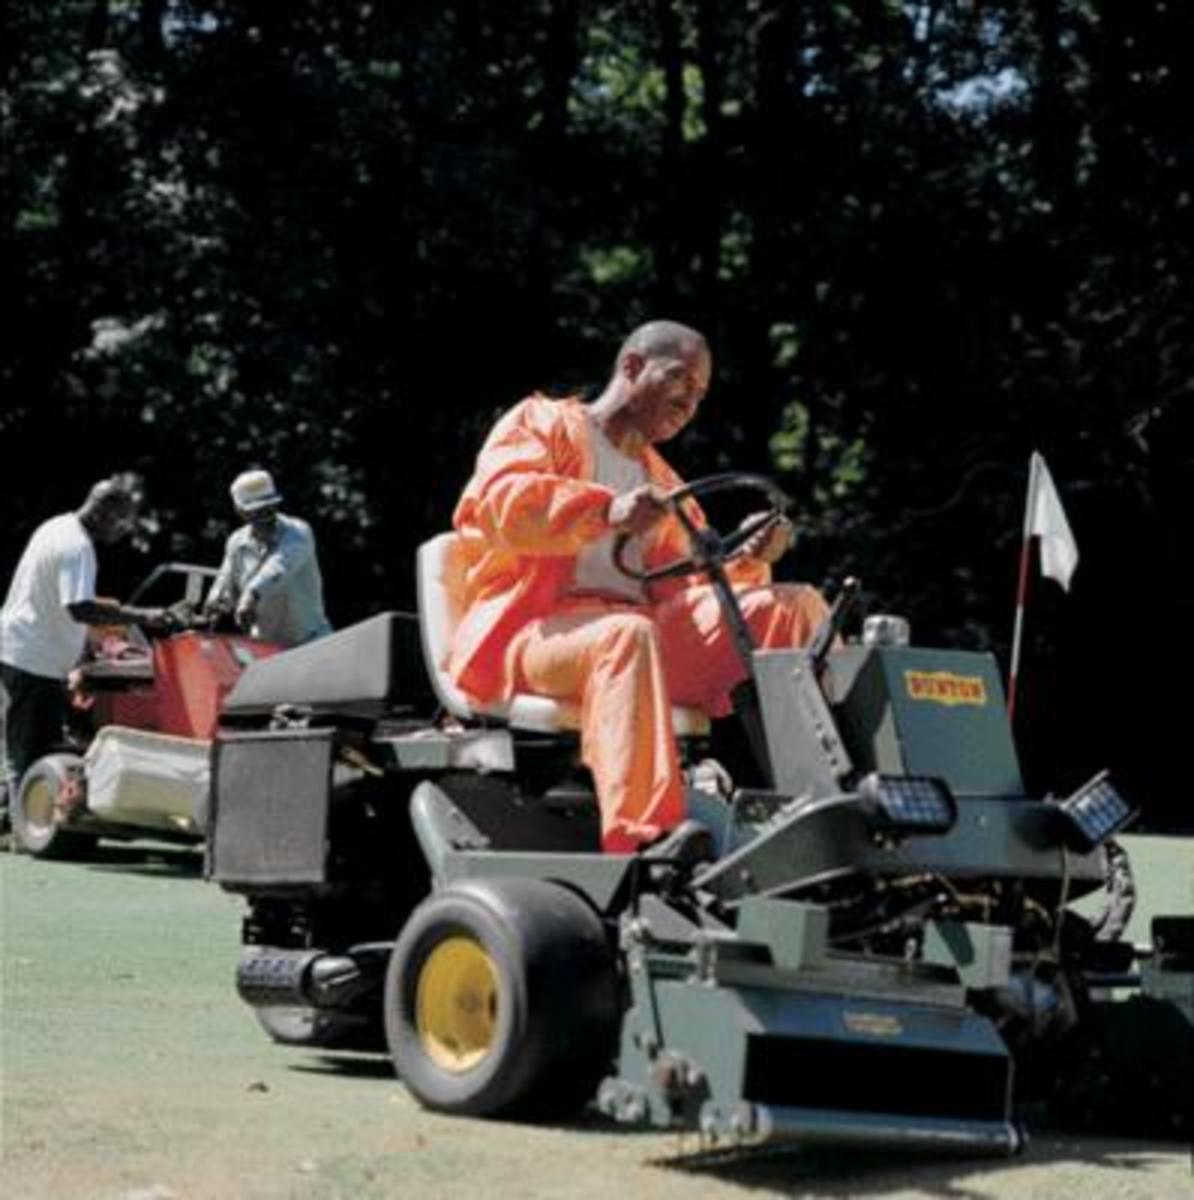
(301, 1026)
(556, 1014)
(31, 831)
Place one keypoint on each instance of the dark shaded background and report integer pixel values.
(335, 239)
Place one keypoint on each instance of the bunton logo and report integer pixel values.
(875, 1024)
(944, 687)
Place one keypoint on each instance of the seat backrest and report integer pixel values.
(440, 582)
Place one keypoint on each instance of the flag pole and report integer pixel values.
(1021, 590)
(1018, 630)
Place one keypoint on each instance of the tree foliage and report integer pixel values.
(337, 238)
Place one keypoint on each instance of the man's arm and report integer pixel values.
(111, 612)
(525, 494)
(296, 546)
(221, 596)
(76, 594)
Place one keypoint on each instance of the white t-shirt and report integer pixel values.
(595, 570)
(37, 634)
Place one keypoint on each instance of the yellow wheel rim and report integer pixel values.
(456, 1004)
(38, 803)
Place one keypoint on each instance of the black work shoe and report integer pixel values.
(691, 842)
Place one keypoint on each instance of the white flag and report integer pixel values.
(1046, 519)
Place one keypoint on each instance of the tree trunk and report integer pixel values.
(710, 190)
(95, 36)
(152, 39)
(670, 217)
(558, 64)
(775, 202)
(1053, 149)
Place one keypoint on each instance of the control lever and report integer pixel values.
(830, 628)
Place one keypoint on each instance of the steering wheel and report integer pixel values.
(709, 548)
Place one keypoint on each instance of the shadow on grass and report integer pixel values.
(795, 1171)
(365, 1064)
(161, 861)
(792, 1169)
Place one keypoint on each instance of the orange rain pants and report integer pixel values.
(625, 666)
(528, 511)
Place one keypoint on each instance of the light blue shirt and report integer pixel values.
(282, 573)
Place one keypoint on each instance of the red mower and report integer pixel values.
(135, 761)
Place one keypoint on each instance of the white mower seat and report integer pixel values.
(440, 567)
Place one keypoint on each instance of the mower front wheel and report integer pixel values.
(501, 1000)
(50, 787)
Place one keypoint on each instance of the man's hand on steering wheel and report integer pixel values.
(634, 512)
(766, 534)
(775, 535)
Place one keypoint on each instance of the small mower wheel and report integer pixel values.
(37, 810)
(301, 1026)
(501, 1000)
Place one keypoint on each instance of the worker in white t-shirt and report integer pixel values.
(43, 624)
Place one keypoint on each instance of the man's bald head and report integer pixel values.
(666, 340)
(659, 378)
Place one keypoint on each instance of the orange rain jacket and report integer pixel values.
(528, 510)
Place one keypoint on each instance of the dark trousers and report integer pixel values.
(32, 712)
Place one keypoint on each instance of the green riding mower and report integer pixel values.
(882, 940)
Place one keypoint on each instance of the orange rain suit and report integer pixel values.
(529, 509)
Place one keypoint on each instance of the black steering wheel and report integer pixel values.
(709, 548)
